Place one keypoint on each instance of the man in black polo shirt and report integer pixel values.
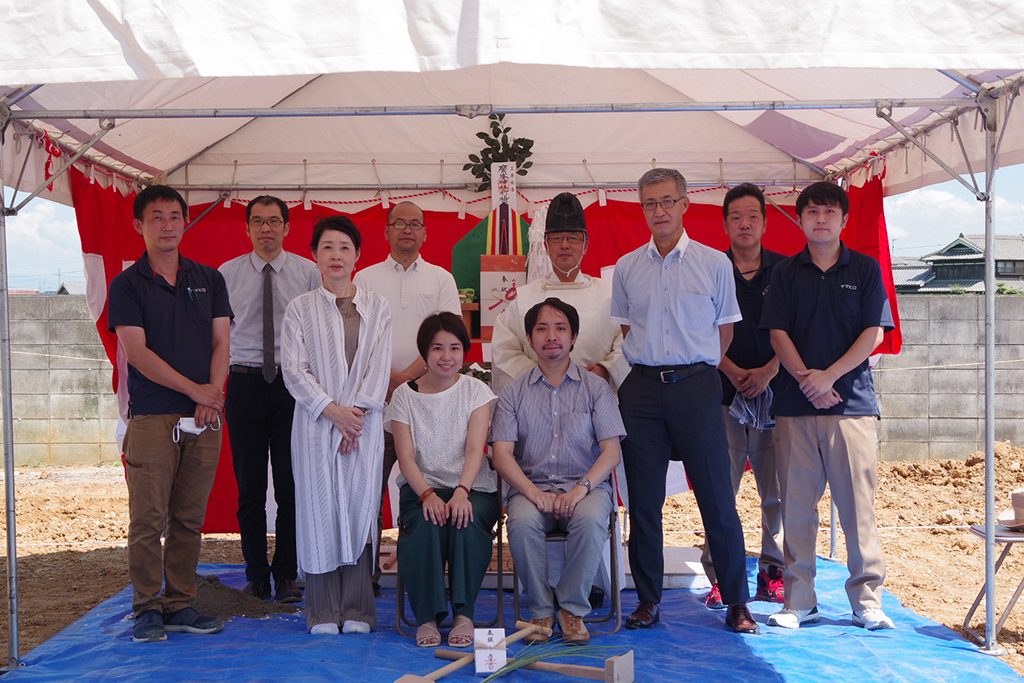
(827, 310)
(748, 369)
(172, 318)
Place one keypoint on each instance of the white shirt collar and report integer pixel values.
(395, 266)
(684, 241)
(277, 264)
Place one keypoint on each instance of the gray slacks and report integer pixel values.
(588, 533)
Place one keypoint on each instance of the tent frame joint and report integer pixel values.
(883, 110)
(107, 125)
(5, 117)
(471, 111)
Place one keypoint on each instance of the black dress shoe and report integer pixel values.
(259, 589)
(645, 616)
(739, 620)
(287, 591)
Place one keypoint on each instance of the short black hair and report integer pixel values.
(743, 190)
(267, 200)
(445, 321)
(155, 193)
(341, 224)
(530, 321)
(825, 194)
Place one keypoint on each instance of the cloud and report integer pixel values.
(928, 219)
(42, 241)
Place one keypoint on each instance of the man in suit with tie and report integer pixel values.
(258, 406)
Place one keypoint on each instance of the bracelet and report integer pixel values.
(426, 494)
(460, 486)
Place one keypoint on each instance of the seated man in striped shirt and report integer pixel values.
(555, 434)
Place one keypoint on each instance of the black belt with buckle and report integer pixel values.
(668, 374)
(247, 370)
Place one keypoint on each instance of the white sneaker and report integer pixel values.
(324, 630)
(351, 626)
(792, 618)
(873, 619)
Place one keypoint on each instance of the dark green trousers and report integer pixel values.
(424, 549)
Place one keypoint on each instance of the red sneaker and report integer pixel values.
(714, 599)
(770, 587)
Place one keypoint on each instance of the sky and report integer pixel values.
(43, 247)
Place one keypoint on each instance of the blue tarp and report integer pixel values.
(689, 644)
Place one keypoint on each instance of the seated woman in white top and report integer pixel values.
(447, 504)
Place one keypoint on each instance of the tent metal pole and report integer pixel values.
(989, 110)
(474, 110)
(833, 551)
(374, 187)
(960, 78)
(8, 431)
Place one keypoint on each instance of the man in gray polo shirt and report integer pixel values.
(556, 433)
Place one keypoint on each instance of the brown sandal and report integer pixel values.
(461, 634)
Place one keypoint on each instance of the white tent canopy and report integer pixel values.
(787, 97)
(350, 100)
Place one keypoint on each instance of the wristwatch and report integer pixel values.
(584, 482)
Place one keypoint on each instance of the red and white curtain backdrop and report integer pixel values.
(110, 243)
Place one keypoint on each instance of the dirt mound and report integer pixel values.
(219, 600)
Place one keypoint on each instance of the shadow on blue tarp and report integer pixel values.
(689, 644)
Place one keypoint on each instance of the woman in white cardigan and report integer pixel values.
(336, 359)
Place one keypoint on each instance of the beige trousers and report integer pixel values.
(842, 451)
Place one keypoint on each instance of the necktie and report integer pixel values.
(269, 366)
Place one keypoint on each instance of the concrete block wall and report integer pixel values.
(63, 407)
(932, 395)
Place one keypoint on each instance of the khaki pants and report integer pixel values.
(843, 451)
(168, 486)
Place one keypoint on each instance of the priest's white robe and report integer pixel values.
(337, 497)
(599, 341)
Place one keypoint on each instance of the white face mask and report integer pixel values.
(188, 425)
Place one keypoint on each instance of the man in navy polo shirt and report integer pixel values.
(172, 318)
(827, 311)
(748, 368)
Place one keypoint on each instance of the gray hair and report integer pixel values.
(657, 175)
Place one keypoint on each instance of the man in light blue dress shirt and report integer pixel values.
(676, 302)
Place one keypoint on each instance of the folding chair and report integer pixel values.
(400, 615)
(613, 566)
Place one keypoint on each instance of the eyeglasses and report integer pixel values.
(257, 222)
(402, 225)
(651, 205)
(570, 237)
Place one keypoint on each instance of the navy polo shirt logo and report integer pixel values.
(850, 287)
